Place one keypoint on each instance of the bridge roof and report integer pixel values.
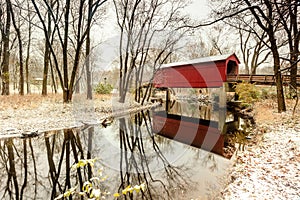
(202, 60)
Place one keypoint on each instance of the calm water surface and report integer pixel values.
(127, 152)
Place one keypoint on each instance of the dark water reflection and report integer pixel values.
(128, 152)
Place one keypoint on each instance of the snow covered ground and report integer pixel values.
(270, 167)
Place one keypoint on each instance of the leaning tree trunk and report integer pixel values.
(293, 74)
(53, 78)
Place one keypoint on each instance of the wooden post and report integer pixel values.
(222, 107)
(167, 100)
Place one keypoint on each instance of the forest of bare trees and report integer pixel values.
(52, 39)
(63, 26)
(275, 27)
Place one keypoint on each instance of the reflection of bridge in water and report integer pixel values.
(189, 130)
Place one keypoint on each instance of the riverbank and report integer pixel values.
(269, 168)
(31, 114)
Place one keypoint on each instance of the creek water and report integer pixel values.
(128, 152)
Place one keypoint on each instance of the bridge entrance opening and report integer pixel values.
(231, 68)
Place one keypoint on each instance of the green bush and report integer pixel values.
(103, 88)
(247, 92)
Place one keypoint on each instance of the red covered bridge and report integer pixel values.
(209, 72)
(205, 72)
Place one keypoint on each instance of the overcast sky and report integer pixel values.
(199, 9)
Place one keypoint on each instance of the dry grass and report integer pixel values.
(26, 102)
(266, 110)
(32, 101)
(102, 97)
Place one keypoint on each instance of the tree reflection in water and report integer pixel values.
(31, 170)
(135, 162)
(39, 168)
(15, 172)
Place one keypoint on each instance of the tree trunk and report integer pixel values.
(46, 69)
(293, 73)
(88, 76)
(268, 26)
(67, 95)
(88, 47)
(53, 78)
(28, 52)
(253, 70)
(46, 58)
(21, 67)
(66, 89)
(6, 54)
(277, 72)
(27, 62)
(294, 46)
(122, 97)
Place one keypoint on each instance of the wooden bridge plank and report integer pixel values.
(260, 79)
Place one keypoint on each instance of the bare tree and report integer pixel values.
(267, 19)
(253, 49)
(16, 25)
(147, 35)
(47, 51)
(219, 37)
(30, 16)
(253, 40)
(289, 15)
(197, 49)
(87, 51)
(62, 16)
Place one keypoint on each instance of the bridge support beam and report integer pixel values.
(168, 100)
(222, 107)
